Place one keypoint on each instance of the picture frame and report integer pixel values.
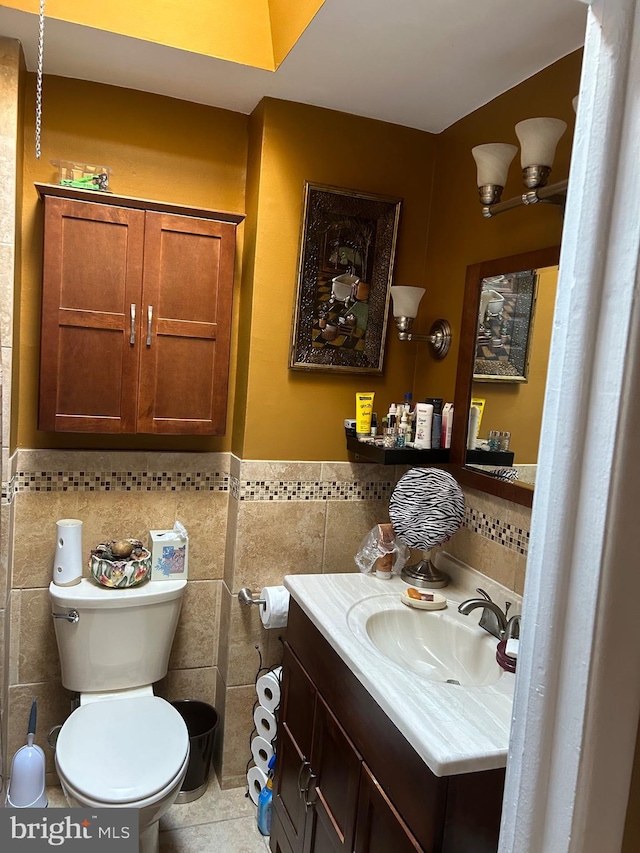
(345, 269)
(505, 327)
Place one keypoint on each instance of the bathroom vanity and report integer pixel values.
(373, 757)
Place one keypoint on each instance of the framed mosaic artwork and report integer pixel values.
(345, 270)
(505, 326)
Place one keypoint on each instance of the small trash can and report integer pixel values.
(201, 720)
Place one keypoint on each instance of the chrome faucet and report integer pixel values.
(493, 619)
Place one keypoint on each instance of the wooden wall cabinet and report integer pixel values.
(347, 780)
(136, 315)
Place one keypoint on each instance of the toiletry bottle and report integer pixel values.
(374, 425)
(364, 411)
(402, 431)
(383, 566)
(424, 425)
(265, 801)
(408, 397)
(436, 430)
(474, 414)
(408, 439)
(390, 431)
(411, 417)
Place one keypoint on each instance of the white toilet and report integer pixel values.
(122, 747)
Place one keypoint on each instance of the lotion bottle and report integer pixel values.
(402, 431)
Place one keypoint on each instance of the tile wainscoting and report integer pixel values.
(250, 523)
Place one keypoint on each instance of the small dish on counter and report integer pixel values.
(426, 600)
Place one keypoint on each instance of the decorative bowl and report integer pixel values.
(121, 573)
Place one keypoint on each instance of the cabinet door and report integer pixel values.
(380, 829)
(293, 766)
(92, 284)
(332, 790)
(187, 295)
(278, 842)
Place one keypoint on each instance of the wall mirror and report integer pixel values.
(504, 350)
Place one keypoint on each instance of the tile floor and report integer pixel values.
(219, 820)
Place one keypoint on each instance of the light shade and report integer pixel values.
(538, 139)
(574, 103)
(493, 161)
(406, 300)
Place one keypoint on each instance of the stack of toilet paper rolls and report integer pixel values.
(266, 725)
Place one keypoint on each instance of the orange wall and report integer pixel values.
(159, 148)
(164, 149)
(293, 414)
(459, 235)
(171, 150)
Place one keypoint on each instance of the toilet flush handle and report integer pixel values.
(71, 616)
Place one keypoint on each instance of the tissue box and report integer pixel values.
(169, 555)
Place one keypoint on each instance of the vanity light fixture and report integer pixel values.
(538, 139)
(405, 309)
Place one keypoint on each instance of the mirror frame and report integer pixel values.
(520, 493)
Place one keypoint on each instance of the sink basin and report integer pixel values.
(441, 645)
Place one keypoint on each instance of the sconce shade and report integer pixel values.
(574, 103)
(406, 300)
(493, 161)
(538, 140)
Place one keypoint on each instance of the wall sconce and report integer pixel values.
(405, 309)
(538, 139)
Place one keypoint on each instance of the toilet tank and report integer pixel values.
(122, 638)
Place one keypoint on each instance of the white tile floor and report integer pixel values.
(219, 820)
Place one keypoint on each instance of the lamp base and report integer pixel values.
(424, 574)
(534, 177)
(490, 193)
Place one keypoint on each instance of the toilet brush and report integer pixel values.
(27, 781)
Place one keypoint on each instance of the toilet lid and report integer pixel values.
(122, 750)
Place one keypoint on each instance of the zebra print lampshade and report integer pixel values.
(426, 508)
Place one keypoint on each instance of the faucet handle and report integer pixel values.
(483, 593)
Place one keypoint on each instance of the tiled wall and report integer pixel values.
(10, 65)
(115, 495)
(250, 523)
(494, 538)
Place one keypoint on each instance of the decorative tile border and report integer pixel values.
(514, 538)
(115, 481)
(243, 490)
(374, 486)
(317, 490)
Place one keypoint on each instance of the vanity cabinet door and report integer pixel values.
(379, 828)
(332, 792)
(295, 741)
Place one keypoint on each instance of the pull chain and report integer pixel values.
(39, 78)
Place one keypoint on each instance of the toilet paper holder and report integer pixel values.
(245, 596)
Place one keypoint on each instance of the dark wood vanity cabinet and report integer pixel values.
(136, 316)
(317, 793)
(347, 780)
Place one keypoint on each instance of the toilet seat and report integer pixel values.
(122, 750)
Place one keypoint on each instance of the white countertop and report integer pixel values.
(454, 728)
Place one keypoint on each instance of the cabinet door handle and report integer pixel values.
(132, 324)
(308, 802)
(149, 324)
(306, 765)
